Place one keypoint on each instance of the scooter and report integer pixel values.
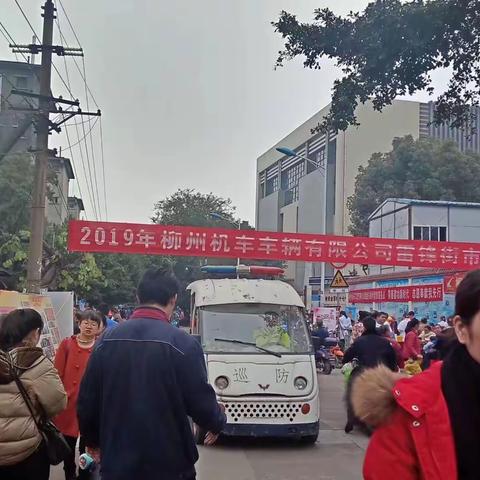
(337, 353)
(323, 360)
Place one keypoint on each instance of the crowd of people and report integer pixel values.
(416, 387)
(125, 392)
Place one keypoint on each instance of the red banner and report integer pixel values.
(413, 293)
(251, 244)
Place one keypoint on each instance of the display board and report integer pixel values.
(50, 337)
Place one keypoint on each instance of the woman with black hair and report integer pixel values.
(22, 453)
(369, 351)
(412, 347)
(428, 425)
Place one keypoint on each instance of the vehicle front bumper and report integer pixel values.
(296, 430)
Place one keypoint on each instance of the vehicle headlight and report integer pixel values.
(221, 383)
(300, 383)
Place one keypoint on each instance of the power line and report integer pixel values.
(103, 171)
(89, 187)
(75, 169)
(70, 146)
(90, 169)
(12, 41)
(8, 41)
(95, 202)
(66, 84)
(27, 20)
(36, 36)
(91, 140)
(79, 44)
(70, 23)
(83, 138)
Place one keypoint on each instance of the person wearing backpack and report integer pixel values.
(71, 361)
(23, 453)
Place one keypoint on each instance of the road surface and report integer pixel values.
(335, 456)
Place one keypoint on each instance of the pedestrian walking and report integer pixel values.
(71, 361)
(428, 425)
(143, 382)
(23, 454)
(107, 320)
(368, 351)
(403, 324)
(357, 329)
(384, 331)
(344, 331)
(412, 346)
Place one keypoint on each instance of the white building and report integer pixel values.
(290, 190)
(410, 219)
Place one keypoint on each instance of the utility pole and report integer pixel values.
(46, 105)
(39, 194)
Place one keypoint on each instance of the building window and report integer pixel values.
(21, 83)
(290, 180)
(430, 233)
(271, 185)
(321, 158)
(292, 175)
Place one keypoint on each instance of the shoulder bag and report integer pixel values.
(55, 443)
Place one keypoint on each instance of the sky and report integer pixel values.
(188, 91)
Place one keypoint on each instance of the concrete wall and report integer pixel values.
(464, 225)
(267, 213)
(375, 134)
(310, 203)
(296, 138)
(429, 215)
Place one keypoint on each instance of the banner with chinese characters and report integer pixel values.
(50, 337)
(408, 293)
(152, 239)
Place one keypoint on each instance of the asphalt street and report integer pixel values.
(335, 456)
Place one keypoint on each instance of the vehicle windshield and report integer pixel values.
(278, 328)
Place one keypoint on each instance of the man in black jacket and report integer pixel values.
(143, 381)
(369, 350)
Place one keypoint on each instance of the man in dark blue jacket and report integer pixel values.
(143, 381)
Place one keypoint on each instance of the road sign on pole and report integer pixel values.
(338, 284)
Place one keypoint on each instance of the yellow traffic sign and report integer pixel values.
(338, 281)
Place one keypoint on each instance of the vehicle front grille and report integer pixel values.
(239, 411)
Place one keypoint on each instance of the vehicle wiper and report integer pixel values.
(251, 344)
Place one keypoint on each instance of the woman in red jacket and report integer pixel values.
(412, 347)
(71, 361)
(428, 425)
